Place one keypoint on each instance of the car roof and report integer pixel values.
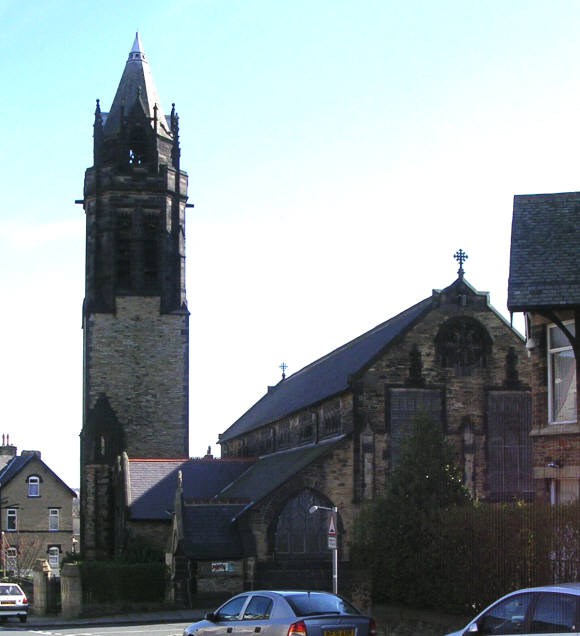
(568, 588)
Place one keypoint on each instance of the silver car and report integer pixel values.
(552, 609)
(284, 613)
(13, 602)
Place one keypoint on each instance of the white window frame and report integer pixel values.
(34, 486)
(11, 559)
(551, 352)
(53, 519)
(54, 557)
(11, 520)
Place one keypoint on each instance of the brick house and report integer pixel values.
(36, 512)
(544, 283)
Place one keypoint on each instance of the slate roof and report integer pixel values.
(210, 531)
(327, 376)
(136, 81)
(19, 462)
(153, 482)
(271, 471)
(545, 252)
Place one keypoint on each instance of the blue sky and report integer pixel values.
(339, 153)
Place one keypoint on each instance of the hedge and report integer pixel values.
(460, 559)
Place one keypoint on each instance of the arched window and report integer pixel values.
(34, 486)
(463, 344)
(300, 533)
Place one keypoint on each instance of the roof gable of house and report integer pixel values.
(18, 463)
(545, 244)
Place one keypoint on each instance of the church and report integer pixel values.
(325, 436)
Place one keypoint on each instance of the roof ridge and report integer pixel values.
(358, 338)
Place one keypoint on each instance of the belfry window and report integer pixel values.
(137, 147)
(562, 376)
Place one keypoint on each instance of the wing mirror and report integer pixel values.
(210, 616)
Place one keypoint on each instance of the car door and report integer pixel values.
(508, 616)
(554, 613)
(257, 617)
(226, 618)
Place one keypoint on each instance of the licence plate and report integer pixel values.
(7, 602)
(338, 632)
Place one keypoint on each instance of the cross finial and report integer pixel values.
(460, 256)
(283, 366)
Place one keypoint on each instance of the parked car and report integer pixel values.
(552, 609)
(285, 613)
(13, 602)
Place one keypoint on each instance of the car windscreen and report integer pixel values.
(311, 603)
(10, 590)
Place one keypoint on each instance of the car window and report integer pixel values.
(10, 590)
(507, 616)
(258, 608)
(311, 603)
(554, 613)
(230, 610)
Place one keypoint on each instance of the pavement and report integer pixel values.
(138, 618)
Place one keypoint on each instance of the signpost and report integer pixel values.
(332, 541)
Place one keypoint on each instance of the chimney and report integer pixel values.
(7, 450)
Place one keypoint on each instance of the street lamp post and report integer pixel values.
(334, 543)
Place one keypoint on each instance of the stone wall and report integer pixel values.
(138, 357)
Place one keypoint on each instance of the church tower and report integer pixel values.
(135, 317)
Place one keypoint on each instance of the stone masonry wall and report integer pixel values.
(465, 396)
(331, 476)
(138, 357)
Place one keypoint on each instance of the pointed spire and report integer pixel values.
(137, 52)
(136, 83)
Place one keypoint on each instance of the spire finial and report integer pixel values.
(460, 256)
(283, 366)
(136, 52)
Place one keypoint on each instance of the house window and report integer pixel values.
(561, 376)
(54, 519)
(54, 557)
(34, 486)
(11, 519)
(11, 559)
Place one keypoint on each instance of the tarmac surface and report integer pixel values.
(139, 618)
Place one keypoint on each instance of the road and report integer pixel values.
(172, 629)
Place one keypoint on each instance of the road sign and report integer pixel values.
(332, 543)
(331, 525)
